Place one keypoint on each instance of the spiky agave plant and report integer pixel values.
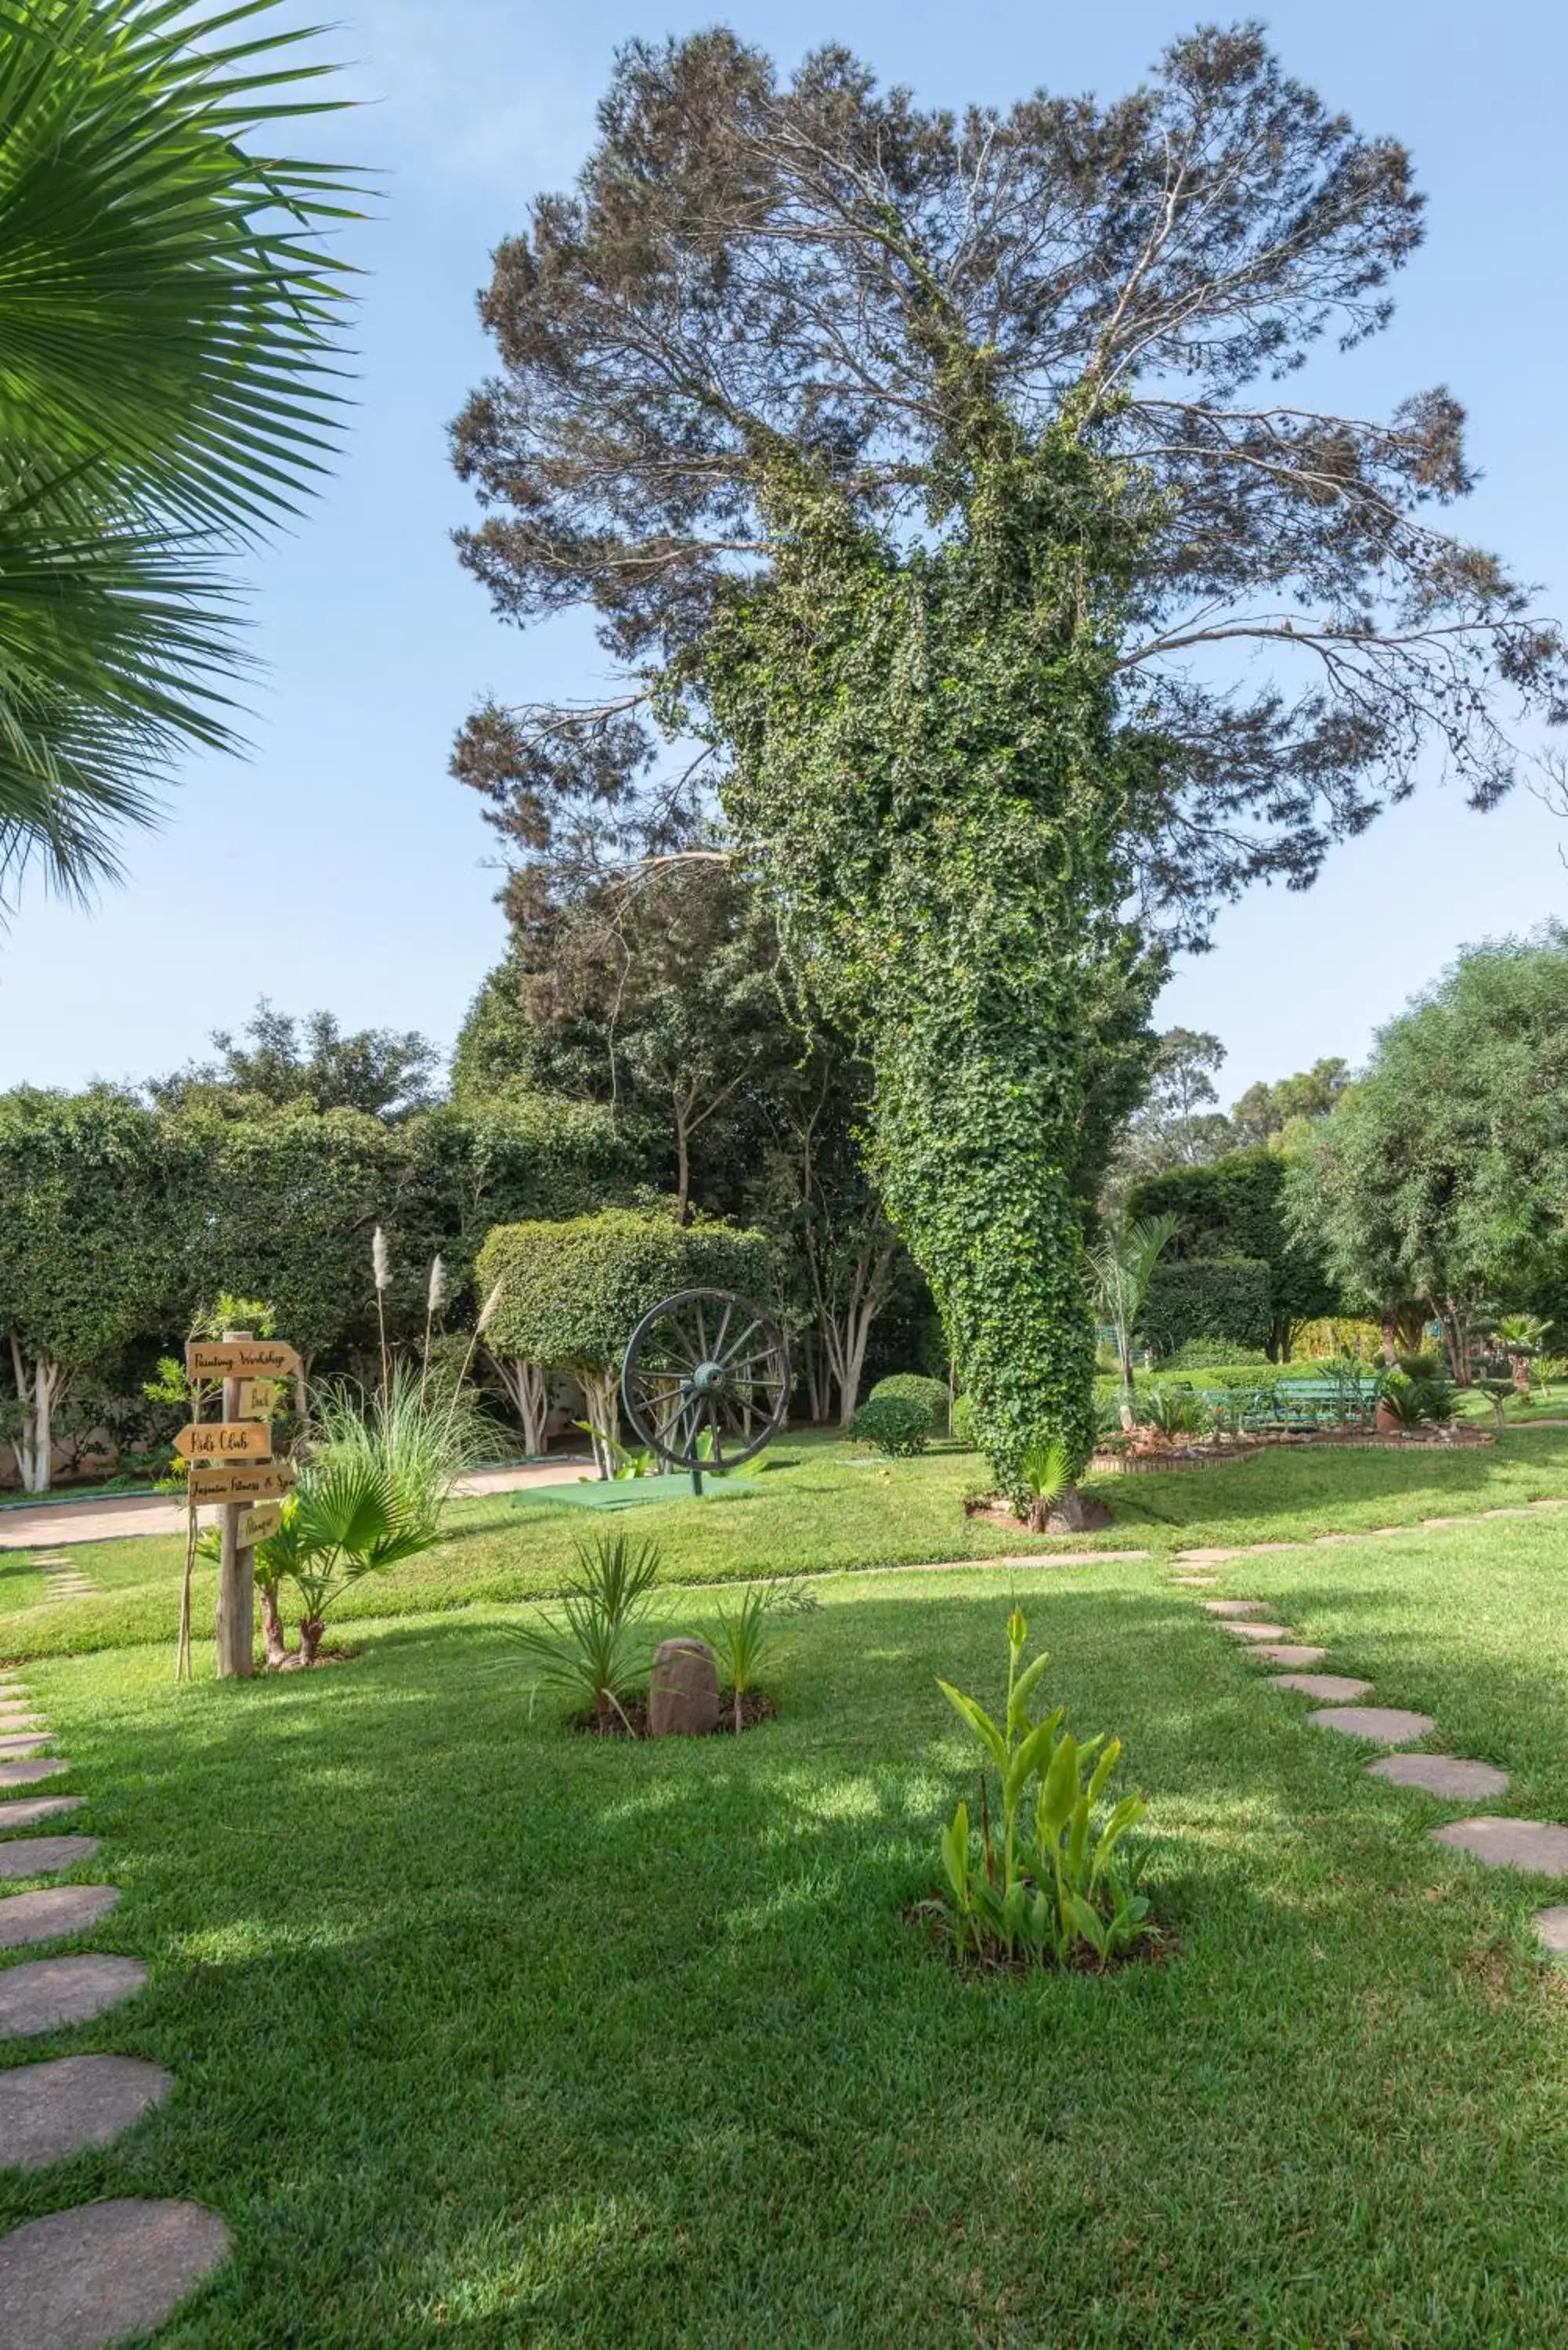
(600, 1653)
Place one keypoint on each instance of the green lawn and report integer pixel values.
(490, 2034)
(817, 1505)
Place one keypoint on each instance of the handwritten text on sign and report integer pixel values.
(237, 1481)
(240, 1359)
(225, 1440)
(258, 1524)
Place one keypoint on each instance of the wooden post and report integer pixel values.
(236, 1572)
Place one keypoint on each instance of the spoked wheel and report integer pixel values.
(706, 1381)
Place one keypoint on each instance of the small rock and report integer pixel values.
(683, 1695)
(82, 2280)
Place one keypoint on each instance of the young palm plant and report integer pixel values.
(1122, 1268)
(600, 1655)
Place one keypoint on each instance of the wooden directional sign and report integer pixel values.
(240, 1359)
(258, 1523)
(238, 1480)
(258, 1399)
(225, 1440)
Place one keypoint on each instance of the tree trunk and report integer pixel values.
(528, 1392)
(272, 1626)
(38, 1391)
(311, 1628)
(1390, 1340)
(682, 1164)
(602, 1410)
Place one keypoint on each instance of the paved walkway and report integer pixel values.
(50, 1525)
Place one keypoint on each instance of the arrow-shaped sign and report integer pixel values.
(240, 1359)
(225, 1440)
(237, 1481)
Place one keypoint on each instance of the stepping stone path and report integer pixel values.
(63, 1578)
(1329, 1689)
(1442, 1774)
(82, 2280)
(1236, 1606)
(1390, 1725)
(91, 2277)
(44, 1856)
(43, 1994)
(1257, 1631)
(50, 2111)
(1288, 1652)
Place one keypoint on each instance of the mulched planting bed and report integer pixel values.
(754, 1710)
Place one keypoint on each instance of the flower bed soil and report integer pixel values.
(755, 1708)
(1139, 1458)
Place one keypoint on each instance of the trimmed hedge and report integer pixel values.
(1224, 1297)
(897, 1425)
(573, 1292)
(914, 1386)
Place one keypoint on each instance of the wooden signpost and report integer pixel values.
(230, 1461)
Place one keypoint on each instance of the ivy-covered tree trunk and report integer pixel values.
(928, 761)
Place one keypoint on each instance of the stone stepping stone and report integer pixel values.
(1389, 1725)
(1235, 1607)
(26, 1743)
(1537, 1846)
(1551, 1925)
(1195, 1582)
(44, 1856)
(27, 1774)
(14, 1721)
(1287, 1652)
(1329, 1689)
(1257, 1631)
(30, 1809)
(47, 2111)
(45, 1994)
(56, 1912)
(82, 2280)
(1442, 1774)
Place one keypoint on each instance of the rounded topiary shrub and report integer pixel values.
(916, 1388)
(893, 1424)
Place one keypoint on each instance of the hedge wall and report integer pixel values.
(1224, 1297)
(1234, 1207)
(575, 1291)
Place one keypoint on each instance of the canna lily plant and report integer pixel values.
(1063, 1887)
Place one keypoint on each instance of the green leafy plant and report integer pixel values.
(345, 1519)
(746, 1635)
(962, 1420)
(1122, 1268)
(600, 1654)
(1177, 1413)
(625, 1460)
(893, 1424)
(1060, 1885)
(917, 1388)
(1416, 1403)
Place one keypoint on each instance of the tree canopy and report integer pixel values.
(1441, 1176)
(310, 1064)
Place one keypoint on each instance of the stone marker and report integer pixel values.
(1551, 1925)
(30, 1809)
(1441, 1775)
(82, 2280)
(1537, 1847)
(683, 1694)
(1256, 1631)
(1329, 1689)
(44, 1856)
(58, 1910)
(43, 1994)
(1287, 1652)
(47, 2111)
(27, 1743)
(27, 1774)
(1235, 1606)
(1389, 1725)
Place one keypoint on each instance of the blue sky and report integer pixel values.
(340, 866)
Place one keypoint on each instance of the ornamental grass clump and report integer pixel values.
(1058, 1891)
(601, 1654)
